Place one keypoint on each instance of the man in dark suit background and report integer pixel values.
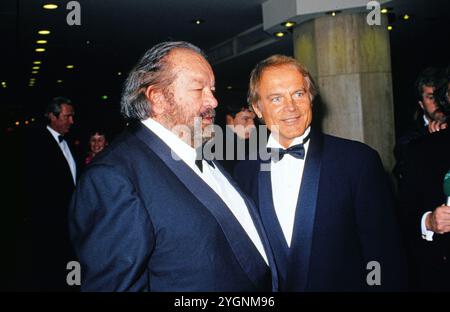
(324, 201)
(423, 201)
(429, 118)
(148, 214)
(239, 135)
(50, 178)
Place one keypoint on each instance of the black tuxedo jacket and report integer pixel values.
(426, 166)
(344, 220)
(48, 189)
(143, 221)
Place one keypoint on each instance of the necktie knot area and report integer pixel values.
(297, 151)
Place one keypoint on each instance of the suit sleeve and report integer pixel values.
(378, 226)
(111, 232)
(411, 196)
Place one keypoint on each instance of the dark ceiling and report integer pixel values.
(113, 34)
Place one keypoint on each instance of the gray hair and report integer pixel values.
(274, 61)
(54, 107)
(152, 69)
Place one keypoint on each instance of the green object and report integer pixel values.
(447, 184)
(104, 97)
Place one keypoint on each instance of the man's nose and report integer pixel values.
(289, 103)
(211, 100)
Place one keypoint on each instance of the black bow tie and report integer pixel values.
(297, 151)
(60, 138)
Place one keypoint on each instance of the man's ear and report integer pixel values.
(156, 99)
(256, 110)
(52, 117)
(229, 120)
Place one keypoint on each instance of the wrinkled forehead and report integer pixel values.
(275, 70)
(66, 109)
(428, 89)
(185, 60)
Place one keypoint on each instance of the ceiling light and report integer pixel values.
(59, 81)
(119, 74)
(32, 119)
(35, 72)
(35, 67)
(390, 27)
(27, 122)
(37, 62)
(406, 17)
(198, 21)
(387, 10)
(333, 13)
(44, 32)
(229, 87)
(289, 24)
(70, 66)
(41, 41)
(17, 123)
(50, 6)
(40, 50)
(279, 34)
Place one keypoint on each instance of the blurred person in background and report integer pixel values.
(97, 142)
(424, 204)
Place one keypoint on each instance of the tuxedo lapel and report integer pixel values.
(272, 224)
(259, 227)
(243, 248)
(58, 154)
(305, 216)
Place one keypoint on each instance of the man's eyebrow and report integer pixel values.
(279, 93)
(199, 80)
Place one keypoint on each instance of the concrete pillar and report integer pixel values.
(351, 64)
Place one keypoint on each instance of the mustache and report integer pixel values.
(209, 113)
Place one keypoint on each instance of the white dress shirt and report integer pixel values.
(286, 176)
(426, 122)
(67, 154)
(426, 234)
(211, 176)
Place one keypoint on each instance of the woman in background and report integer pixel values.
(97, 142)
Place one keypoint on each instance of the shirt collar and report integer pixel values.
(54, 133)
(426, 122)
(273, 143)
(183, 150)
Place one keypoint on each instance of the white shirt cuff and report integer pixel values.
(427, 235)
